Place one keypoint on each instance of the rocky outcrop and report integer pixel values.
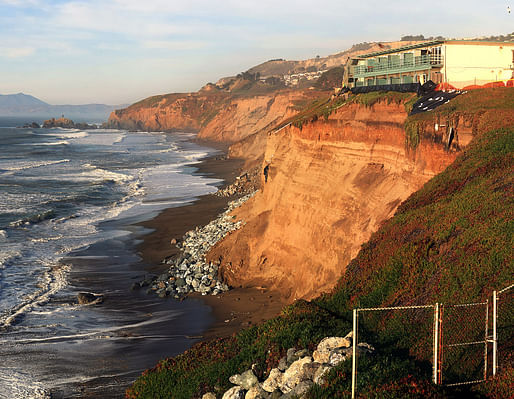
(299, 372)
(328, 186)
(65, 123)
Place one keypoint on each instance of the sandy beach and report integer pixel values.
(236, 309)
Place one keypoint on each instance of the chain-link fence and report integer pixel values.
(463, 341)
(463, 344)
(504, 302)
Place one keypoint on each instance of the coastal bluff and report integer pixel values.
(330, 183)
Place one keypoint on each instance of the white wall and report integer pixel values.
(467, 64)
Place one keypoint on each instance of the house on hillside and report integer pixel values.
(457, 62)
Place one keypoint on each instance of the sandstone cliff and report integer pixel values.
(330, 185)
(171, 112)
(214, 114)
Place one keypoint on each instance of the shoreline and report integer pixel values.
(236, 309)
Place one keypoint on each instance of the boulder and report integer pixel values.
(321, 357)
(273, 381)
(282, 364)
(309, 370)
(299, 390)
(302, 353)
(294, 374)
(256, 392)
(245, 380)
(236, 392)
(209, 395)
(291, 356)
(364, 347)
(330, 343)
(320, 373)
(337, 357)
(89, 298)
(277, 394)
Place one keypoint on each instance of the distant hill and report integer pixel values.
(26, 105)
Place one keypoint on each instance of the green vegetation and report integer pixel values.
(371, 98)
(450, 242)
(321, 107)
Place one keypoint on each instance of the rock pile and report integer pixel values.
(296, 373)
(189, 271)
(244, 184)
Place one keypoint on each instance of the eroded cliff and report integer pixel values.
(214, 114)
(329, 185)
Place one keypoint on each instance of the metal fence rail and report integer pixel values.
(465, 343)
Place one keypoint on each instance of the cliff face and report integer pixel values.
(216, 115)
(247, 115)
(173, 112)
(329, 186)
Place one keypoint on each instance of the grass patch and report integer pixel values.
(389, 97)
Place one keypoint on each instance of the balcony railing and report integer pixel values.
(398, 66)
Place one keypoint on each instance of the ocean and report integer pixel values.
(69, 204)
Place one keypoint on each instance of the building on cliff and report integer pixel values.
(457, 62)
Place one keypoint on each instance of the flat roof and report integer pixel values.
(433, 43)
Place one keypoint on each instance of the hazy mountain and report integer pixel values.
(25, 105)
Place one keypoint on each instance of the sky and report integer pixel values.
(120, 51)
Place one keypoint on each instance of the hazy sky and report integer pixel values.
(119, 51)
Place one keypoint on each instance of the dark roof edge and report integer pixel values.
(409, 47)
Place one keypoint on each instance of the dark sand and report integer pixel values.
(240, 307)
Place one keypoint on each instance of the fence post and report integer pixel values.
(354, 351)
(486, 336)
(436, 341)
(495, 340)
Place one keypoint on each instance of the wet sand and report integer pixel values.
(236, 309)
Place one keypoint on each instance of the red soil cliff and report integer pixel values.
(329, 186)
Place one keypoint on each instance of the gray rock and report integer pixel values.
(321, 372)
(364, 347)
(245, 380)
(290, 355)
(330, 343)
(299, 390)
(282, 364)
(236, 392)
(89, 298)
(180, 282)
(309, 370)
(337, 357)
(277, 394)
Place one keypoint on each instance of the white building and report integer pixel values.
(457, 62)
